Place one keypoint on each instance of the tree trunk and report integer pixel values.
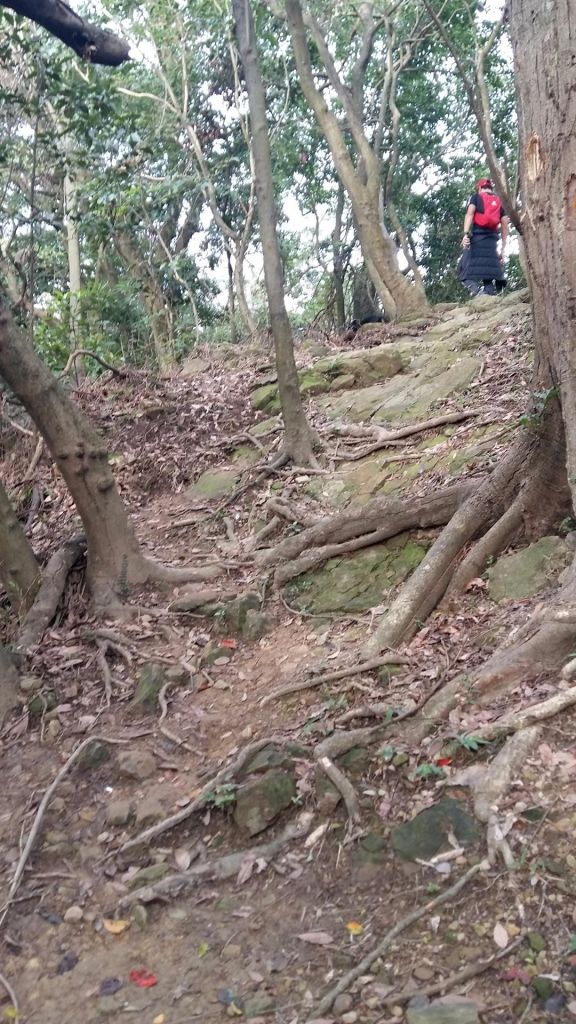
(338, 261)
(398, 295)
(74, 270)
(114, 558)
(298, 437)
(153, 298)
(546, 114)
(19, 570)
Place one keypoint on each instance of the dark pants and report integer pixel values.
(490, 287)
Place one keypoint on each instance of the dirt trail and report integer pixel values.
(265, 946)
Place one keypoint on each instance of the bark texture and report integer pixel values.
(298, 437)
(398, 295)
(114, 558)
(90, 42)
(19, 570)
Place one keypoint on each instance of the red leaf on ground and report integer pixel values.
(231, 644)
(142, 978)
(443, 761)
(516, 974)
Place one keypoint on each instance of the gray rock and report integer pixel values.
(29, 684)
(119, 812)
(94, 755)
(74, 915)
(151, 679)
(136, 764)
(259, 1005)
(148, 811)
(440, 1012)
(139, 914)
(425, 835)
(343, 1003)
(527, 572)
(255, 625)
(148, 875)
(259, 802)
(235, 613)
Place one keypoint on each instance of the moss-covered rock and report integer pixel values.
(260, 801)
(356, 368)
(527, 572)
(427, 833)
(357, 582)
(214, 483)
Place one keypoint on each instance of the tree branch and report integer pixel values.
(97, 45)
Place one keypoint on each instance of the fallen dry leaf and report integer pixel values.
(182, 858)
(316, 938)
(500, 936)
(116, 927)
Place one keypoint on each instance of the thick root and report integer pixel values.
(51, 589)
(388, 516)
(529, 469)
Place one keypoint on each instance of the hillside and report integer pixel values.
(257, 813)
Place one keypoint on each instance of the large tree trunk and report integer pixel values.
(114, 558)
(298, 437)
(547, 113)
(398, 295)
(19, 570)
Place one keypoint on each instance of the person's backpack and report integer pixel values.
(490, 216)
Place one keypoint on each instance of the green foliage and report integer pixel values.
(429, 771)
(221, 796)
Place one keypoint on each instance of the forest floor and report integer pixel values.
(266, 944)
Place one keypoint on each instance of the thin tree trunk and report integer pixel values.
(338, 260)
(231, 299)
(74, 271)
(153, 298)
(19, 570)
(298, 437)
(398, 295)
(113, 554)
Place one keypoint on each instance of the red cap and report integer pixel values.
(484, 183)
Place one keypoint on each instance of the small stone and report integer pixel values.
(343, 1003)
(136, 764)
(57, 805)
(349, 1018)
(423, 973)
(73, 915)
(231, 951)
(139, 915)
(148, 875)
(151, 679)
(118, 812)
(258, 1004)
(29, 684)
(148, 811)
(536, 941)
(94, 755)
(246, 733)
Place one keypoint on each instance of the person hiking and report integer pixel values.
(481, 268)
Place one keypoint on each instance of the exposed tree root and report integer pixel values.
(219, 869)
(364, 965)
(344, 787)
(176, 740)
(92, 355)
(224, 775)
(490, 783)
(492, 543)
(541, 645)
(51, 589)
(160, 573)
(516, 720)
(453, 980)
(283, 508)
(382, 438)
(200, 596)
(12, 997)
(266, 470)
(394, 514)
(33, 834)
(391, 658)
(534, 467)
